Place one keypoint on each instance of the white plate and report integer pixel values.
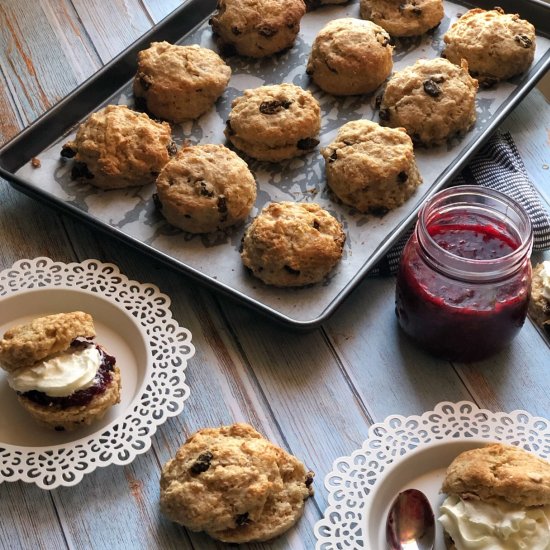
(402, 453)
(134, 323)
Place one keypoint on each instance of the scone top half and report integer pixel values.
(25, 345)
(500, 472)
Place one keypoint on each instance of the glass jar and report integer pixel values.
(464, 277)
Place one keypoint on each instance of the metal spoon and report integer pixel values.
(410, 524)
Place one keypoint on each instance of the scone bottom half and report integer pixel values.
(62, 378)
(500, 494)
(235, 485)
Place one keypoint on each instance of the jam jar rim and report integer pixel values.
(469, 269)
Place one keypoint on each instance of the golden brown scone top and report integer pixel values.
(24, 345)
(501, 471)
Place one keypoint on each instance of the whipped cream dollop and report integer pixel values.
(59, 375)
(495, 524)
(545, 278)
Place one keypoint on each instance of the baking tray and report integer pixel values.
(214, 259)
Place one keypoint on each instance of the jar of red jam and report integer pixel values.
(464, 278)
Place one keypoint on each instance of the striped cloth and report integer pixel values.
(497, 166)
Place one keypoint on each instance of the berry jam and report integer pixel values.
(81, 397)
(453, 295)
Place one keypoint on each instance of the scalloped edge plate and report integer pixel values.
(405, 452)
(134, 323)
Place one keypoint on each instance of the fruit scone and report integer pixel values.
(273, 123)
(117, 147)
(496, 45)
(234, 484)
(61, 377)
(497, 497)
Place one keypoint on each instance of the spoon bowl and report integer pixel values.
(410, 524)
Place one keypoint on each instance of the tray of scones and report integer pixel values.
(275, 150)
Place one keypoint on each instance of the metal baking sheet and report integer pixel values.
(214, 259)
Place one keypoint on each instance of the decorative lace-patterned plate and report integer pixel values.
(134, 323)
(401, 453)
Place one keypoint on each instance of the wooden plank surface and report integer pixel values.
(315, 393)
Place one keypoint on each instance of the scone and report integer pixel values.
(61, 378)
(234, 484)
(495, 44)
(499, 495)
(205, 188)
(257, 28)
(292, 244)
(370, 167)
(539, 304)
(433, 100)
(403, 18)
(274, 123)
(179, 82)
(117, 147)
(350, 57)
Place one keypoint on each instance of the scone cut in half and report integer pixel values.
(370, 167)
(62, 378)
(539, 304)
(180, 83)
(257, 28)
(234, 484)
(292, 244)
(498, 496)
(350, 57)
(206, 188)
(496, 45)
(117, 147)
(274, 123)
(433, 100)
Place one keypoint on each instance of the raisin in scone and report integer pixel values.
(234, 484)
(61, 377)
(433, 100)
(205, 188)
(370, 167)
(274, 123)
(292, 244)
(257, 28)
(179, 82)
(350, 57)
(117, 147)
(314, 4)
(495, 44)
(403, 18)
(539, 304)
(498, 495)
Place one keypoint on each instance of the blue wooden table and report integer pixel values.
(314, 393)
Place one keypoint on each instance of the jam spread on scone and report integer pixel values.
(97, 385)
(62, 378)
